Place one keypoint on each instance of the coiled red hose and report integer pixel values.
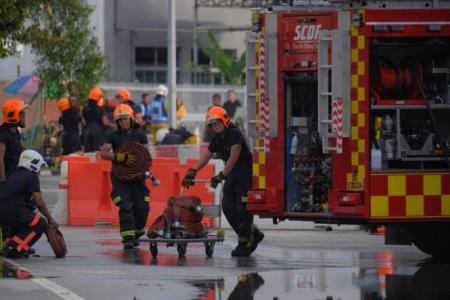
(143, 162)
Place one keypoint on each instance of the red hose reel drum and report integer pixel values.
(397, 82)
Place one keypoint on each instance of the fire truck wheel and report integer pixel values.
(432, 239)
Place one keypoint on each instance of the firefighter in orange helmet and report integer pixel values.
(94, 121)
(230, 144)
(132, 197)
(10, 139)
(69, 123)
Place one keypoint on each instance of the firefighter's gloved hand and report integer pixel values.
(217, 179)
(125, 158)
(189, 178)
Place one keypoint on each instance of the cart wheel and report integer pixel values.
(154, 249)
(181, 248)
(209, 249)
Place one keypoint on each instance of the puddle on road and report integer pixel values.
(8, 271)
(143, 257)
(428, 281)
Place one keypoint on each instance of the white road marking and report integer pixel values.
(60, 291)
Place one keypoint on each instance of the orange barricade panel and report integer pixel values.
(89, 189)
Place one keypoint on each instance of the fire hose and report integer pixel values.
(136, 170)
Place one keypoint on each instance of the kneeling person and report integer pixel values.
(132, 197)
(20, 194)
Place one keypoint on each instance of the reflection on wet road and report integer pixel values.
(377, 276)
(430, 281)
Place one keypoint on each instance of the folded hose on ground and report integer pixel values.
(56, 241)
(137, 170)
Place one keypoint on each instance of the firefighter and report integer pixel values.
(94, 120)
(69, 126)
(231, 146)
(132, 197)
(10, 142)
(10, 139)
(20, 194)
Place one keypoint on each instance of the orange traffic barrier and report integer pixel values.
(89, 189)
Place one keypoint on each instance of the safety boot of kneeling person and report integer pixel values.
(11, 252)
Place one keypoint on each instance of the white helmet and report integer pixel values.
(160, 134)
(162, 90)
(31, 160)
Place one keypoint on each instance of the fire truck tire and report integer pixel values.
(432, 239)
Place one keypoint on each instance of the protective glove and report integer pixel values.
(217, 179)
(125, 158)
(188, 179)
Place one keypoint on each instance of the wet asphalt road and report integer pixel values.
(301, 264)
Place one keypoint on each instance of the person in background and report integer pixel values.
(159, 111)
(69, 127)
(146, 110)
(231, 104)
(124, 96)
(20, 195)
(108, 104)
(171, 138)
(181, 110)
(232, 147)
(216, 100)
(94, 121)
(207, 133)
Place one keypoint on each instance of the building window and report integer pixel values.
(151, 64)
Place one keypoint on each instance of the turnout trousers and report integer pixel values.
(132, 198)
(25, 227)
(234, 206)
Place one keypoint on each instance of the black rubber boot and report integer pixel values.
(258, 236)
(241, 250)
(11, 252)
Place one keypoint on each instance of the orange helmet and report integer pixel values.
(96, 94)
(11, 110)
(123, 110)
(124, 94)
(63, 104)
(217, 113)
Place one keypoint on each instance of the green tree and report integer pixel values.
(228, 65)
(13, 14)
(69, 60)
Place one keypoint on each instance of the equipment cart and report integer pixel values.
(214, 235)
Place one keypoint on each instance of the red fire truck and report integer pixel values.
(349, 116)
